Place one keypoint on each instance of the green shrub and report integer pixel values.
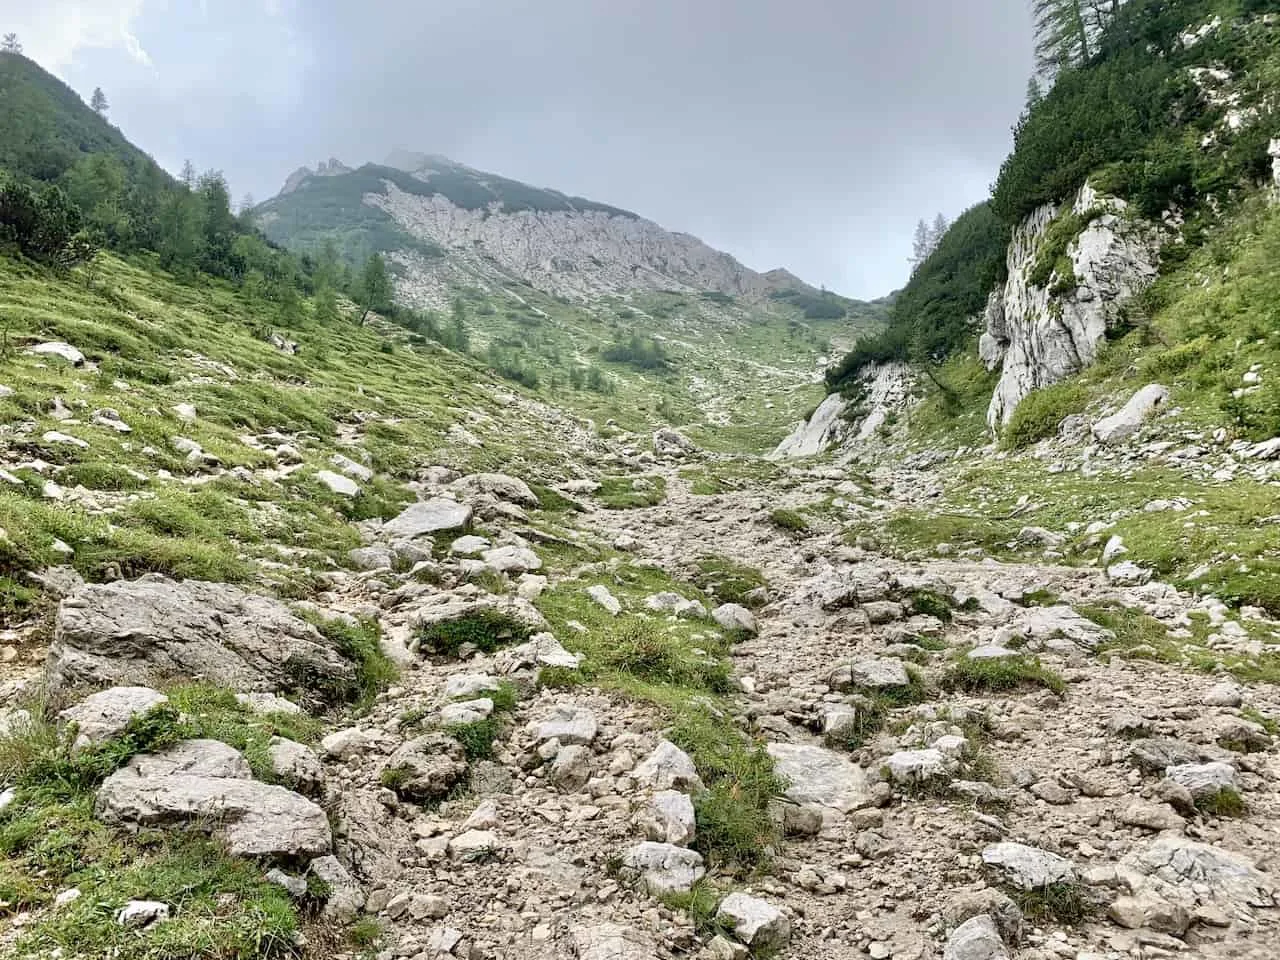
(640, 650)
(789, 520)
(729, 581)
(1041, 412)
(625, 493)
(734, 824)
(1001, 673)
(361, 643)
(476, 737)
(486, 629)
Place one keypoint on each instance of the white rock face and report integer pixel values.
(106, 714)
(886, 388)
(1125, 423)
(429, 516)
(578, 254)
(1042, 338)
(668, 768)
(664, 867)
(757, 923)
(339, 484)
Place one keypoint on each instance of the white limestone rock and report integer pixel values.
(757, 923)
(663, 867)
(1125, 423)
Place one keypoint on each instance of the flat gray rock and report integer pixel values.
(757, 923)
(1028, 868)
(820, 776)
(668, 768)
(664, 867)
(253, 819)
(609, 941)
(437, 515)
(106, 714)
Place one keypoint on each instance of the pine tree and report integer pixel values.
(375, 286)
(11, 44)
(919, 246)
(939, 230)
(1035, 93)
(247, 203)
(1067, 31)
(99, 102)
(188, 175)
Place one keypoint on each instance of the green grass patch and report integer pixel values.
(789, 520)
(476, 737)
(734, 825)
(644, 651)
(729, 581)
(487, 629)
(1001, 674)
(1040, 412)
(930, 604)
(1225, 802)
(360, 642)
(1064, 903)
(629, 493)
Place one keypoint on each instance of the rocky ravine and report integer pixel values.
(957, 829)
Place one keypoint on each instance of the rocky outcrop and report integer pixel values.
(1042, 334)
(110, 633)
(206, 785)
(884, 389)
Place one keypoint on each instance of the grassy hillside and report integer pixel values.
(133, 502)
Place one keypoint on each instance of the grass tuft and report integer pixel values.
(1003, 673)
(486, 629)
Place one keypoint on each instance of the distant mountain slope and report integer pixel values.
(449, 224)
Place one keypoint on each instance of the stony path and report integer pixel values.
(889, 881)
(922, 818)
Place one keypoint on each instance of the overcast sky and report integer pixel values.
(809, 134)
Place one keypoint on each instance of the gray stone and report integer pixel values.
(469, 685)
(426, 768)
(499, 486)
(253, 819)
(568, 724)
(338, 483)
(1028, 868)
(267, 703)
(1155, 755)
(672, 444)
(201, 758)
(735, 618)
(571, 768)
(466, 711)
(757, 923)
(142, 913)
(977, 938)
(668, 768)
(344, 744)
(878, 673)
(1147, 910)
(106, 714)
(352, 469)
(1129, 419)
(512, 559)
(469, 546)
(917, 766)
(61, 350)
(295, 886)
(1191, 873)
(108, 632)
(473, 844)
(430, 516)
(820, 776)
(668, 818)
(296, 766)
(1226, 694)
(372, 558)
(601, 595)
(663, 867)
(610, 941)
(1203, 780)
(1128, 574)
(346, 897)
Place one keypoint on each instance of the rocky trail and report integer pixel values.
(970, 768)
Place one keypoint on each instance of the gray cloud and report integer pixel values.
(809, 134)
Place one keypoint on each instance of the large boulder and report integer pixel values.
(497, 485)
(673, 444)
(112, 632)
(430, 516)
(608, 941)
(1183, 871)
(1124, 424)
(668, 768)
(205, 785)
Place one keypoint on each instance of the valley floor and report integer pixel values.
(1094, 802)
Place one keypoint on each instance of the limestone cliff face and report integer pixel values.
(886, 389)
(571, 253)
(1038, 336)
